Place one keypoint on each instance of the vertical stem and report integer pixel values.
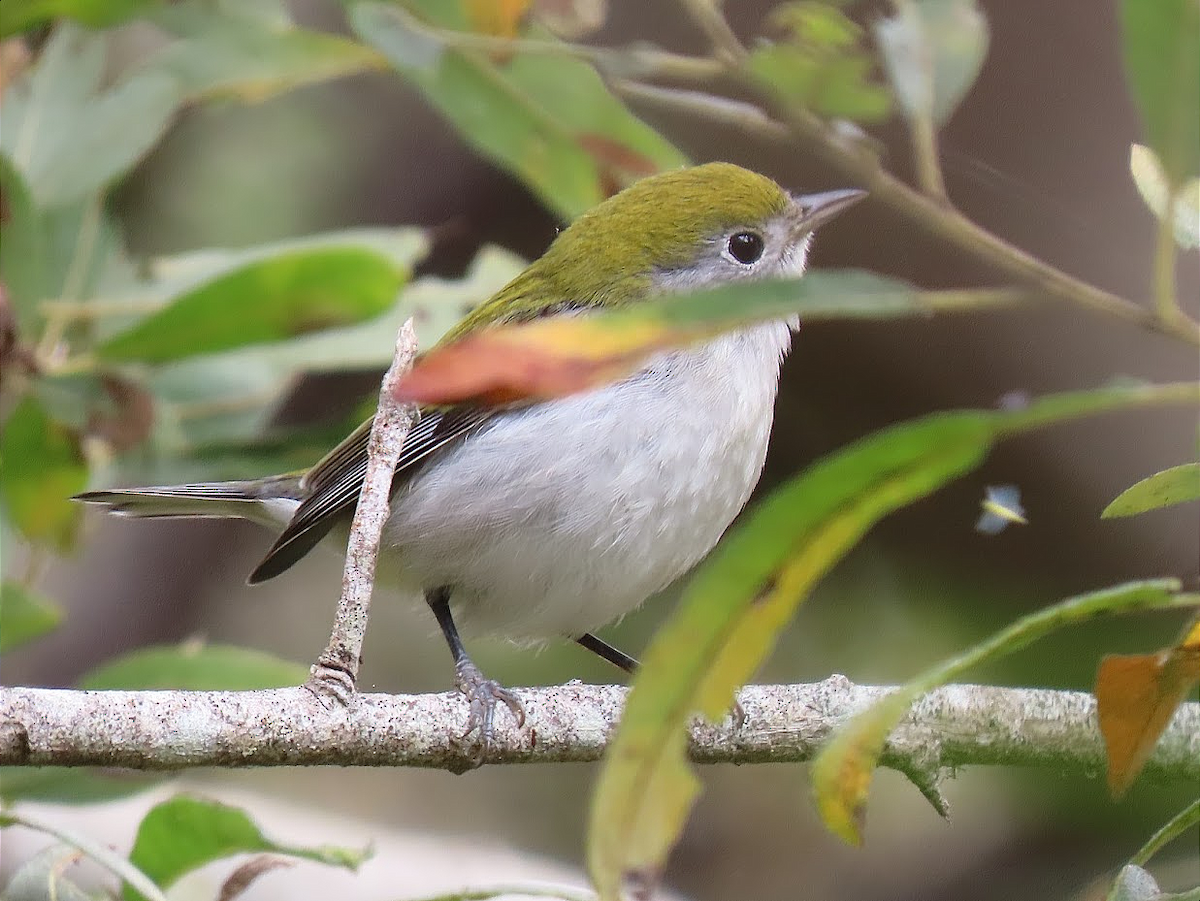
(925, 152)
(1165, 302)
(336, 670)
(707, 15)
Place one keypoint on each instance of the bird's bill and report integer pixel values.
(817, 209)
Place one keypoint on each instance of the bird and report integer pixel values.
(550, 520)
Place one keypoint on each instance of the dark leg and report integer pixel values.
(603, 649)
(483, 694)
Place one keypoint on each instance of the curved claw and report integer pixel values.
(483, 695)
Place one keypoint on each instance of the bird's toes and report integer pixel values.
(483, 695)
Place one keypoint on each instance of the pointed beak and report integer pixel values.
(817, 209)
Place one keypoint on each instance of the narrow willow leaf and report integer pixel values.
(1162, 63)
(730, 614)
(194, 666)
(744, 594)
(841, 773)
(1176, 485)
(186, 832)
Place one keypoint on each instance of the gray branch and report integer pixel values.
(336, 671)
(951, 727)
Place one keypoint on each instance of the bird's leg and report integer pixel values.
(619, 658)
(483, 694)
(602, 648)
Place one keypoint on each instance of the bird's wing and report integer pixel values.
(331, 488)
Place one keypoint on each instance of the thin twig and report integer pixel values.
(1165, 300)
(336, 670)
(725, 44)
(953, 726)
(862, 167)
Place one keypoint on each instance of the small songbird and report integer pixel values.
(553, 519)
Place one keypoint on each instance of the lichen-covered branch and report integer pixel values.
(336, 670)
(954, 726)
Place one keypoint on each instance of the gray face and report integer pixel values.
(777, 248)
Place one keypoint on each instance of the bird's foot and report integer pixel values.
(484, 695)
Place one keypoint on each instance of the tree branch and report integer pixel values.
(951, 727)
(782, 122)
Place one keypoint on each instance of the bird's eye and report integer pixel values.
(746, 247)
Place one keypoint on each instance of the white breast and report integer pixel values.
(560, 518)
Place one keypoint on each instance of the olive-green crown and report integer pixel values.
(607, 256)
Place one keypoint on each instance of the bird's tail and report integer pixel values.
(270, 501)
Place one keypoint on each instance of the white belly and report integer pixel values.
(560, 518)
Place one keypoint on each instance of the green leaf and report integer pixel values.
(194, 666)
(229, 398)
(69, 136)
(1176, 485)
(41, 877)
(1151, 183)
(25, 15)
(80, 252)
(229, 51)
(269, 300)
(727, 620)
(820, 64)
(838, 87)
(42, 467)
(186, 832)
(24, 615)
(841, 773)
(22, 256)
(933, 51)
(1162, 63)
(71, 784)
(549, 120)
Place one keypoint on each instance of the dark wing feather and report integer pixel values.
(331, 488)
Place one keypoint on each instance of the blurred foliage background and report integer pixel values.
(186, 143)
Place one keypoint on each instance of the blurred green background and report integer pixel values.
(1037, 152)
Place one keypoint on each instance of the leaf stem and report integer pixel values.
(1173, 828)
(707, 15)
(925, 157)
(1165, 300)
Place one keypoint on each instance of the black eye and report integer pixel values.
(746, 247)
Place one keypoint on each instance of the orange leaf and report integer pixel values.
(1136, 695)
(535, 361)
